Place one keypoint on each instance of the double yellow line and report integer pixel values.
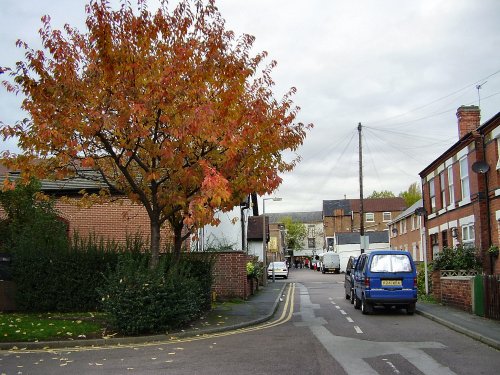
(285, 316)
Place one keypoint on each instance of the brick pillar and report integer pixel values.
(436, 285)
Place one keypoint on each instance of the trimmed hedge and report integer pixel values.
(61, 279)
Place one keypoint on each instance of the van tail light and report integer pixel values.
(367, 282)
(415, 282)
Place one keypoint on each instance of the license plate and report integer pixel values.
(392, 283)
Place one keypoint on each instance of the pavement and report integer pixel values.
(484, 330)
(262, 307)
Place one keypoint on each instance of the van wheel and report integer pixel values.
(366, 307)
(410, 309)
(357, 302)
(352, 296)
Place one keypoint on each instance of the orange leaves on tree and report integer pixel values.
(169, 106)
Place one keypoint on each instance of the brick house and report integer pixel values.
(314, 243)
(405, 231)
(343, 215)
(112, 221)
(461, 190)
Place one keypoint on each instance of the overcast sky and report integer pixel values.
(400, 67)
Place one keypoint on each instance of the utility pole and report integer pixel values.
(361, 210)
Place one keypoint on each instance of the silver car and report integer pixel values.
(280, 270)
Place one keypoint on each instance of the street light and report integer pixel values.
(420, 211)
(264, 252)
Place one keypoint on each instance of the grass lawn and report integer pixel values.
(47, 326)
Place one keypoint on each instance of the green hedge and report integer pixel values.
(140, 300)
(61, 278)
(457, 258)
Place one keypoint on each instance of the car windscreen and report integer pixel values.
(277, 265)
(390, 263)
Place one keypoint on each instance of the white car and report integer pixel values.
(280, 270)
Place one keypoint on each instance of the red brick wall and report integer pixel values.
(457, 292)
(436, 285)
(110, 220)
(230, 275)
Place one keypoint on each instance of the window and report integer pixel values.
(464, 178)
(442, 186)
(444, 238)
(311, 243)
(434, 244)
(386, 216)
(413, 222)
(402, 226)
(390, 263)
(369, 217)
(468, 235)
(432, 194)
(451, 190)
(311, 231)
(498, 153)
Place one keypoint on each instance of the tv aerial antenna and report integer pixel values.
(479, 87)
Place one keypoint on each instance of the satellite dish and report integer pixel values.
(480, 167)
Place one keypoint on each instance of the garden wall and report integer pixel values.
(457, 291)
(230, 276)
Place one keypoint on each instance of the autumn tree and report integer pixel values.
(382, 194)
(169, 107)
(412, 195)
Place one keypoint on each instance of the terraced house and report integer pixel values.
(461, 190)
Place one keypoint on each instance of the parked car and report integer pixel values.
(348, 278)
(330, 262)
(385, 278)
(280, 270)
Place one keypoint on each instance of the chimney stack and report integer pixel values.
(469, 118)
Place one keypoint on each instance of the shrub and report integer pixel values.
(62, 278)
(458, 258)
(141, 300)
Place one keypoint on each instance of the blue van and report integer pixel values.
(385, 278)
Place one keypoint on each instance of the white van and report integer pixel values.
(330, 262)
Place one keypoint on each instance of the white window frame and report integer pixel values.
(384, 219)
(498, 153)
(369, 215)
(464, 179)
(468, 234)
(451, 189)
(442, 187)
(432, 194)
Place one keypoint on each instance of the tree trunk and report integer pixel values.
(178, 240)
(155, 243)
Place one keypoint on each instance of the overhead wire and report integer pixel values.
(434, 101)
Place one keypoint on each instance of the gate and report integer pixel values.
(492, 296)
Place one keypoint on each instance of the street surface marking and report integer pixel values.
(343, 312)
(349, 319)
(351, 353)
(337, 307)
(396, 371)
(286, 315)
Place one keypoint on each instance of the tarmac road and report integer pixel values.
(315, 330)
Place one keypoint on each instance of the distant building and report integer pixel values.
(347, 244)
(314, 243)
(343, 215)
(405, 231)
